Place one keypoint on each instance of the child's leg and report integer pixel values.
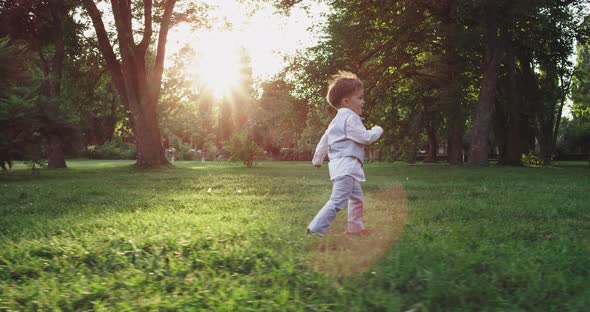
(341, 191)
(355, 209)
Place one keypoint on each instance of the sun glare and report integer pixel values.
(266, 36)
(217, 63)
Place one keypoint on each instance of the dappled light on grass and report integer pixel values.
(117, 238)
(98, 164)
(340, 254)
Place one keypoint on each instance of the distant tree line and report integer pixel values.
(478, 78)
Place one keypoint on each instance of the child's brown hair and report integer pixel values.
(342, 85)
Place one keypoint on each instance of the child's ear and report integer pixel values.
(345, 102)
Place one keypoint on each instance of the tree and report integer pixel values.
(241, 96)
(10, 66)
(578, 134)
(137, 83)
(47, 27)
(19, 115)
(581, 84)
(526, 76)
(478, 154)
(178, 109)
(280, 119)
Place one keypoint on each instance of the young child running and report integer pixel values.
(344, 142)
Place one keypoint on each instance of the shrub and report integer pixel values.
(295, 154)
(111, 150)
(242, 148)
(531, 159)
(185, 152)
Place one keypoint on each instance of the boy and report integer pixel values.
(344, 142)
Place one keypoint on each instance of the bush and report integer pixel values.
(185, 152)
(531, 159)
(242, 148)
(295, 154)
(111, 150)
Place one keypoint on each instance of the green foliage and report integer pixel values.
(21, 125)
(182, 151)
(280, 121)
(575, 137)
(581, 84)
(242, 148)
(103, 235)
(10, 65)
(90, 98)
(532, 159)
(111, 150)
(192, 117)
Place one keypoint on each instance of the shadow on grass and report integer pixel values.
(58, 199)
(341, 255)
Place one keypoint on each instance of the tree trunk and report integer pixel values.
(455, 139)
(545, 139)
(455, 115)
(410, 143)
(499, 122)
(513, 143)
(138, 85)
(432, 142)
(55, 152)
(513, 151)
(55, 148)
(483, 114)
(565, 83)
(150, 152)
(487, 95)
(530, 93)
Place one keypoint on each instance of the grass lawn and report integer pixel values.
(104, 236)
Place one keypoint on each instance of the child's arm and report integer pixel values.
(356, 131)
(321, 151)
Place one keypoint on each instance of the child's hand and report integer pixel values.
(317, 166)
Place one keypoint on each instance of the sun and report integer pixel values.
(216, 64)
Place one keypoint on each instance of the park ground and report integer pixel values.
(217, 236)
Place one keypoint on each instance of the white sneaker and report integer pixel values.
(310, 232)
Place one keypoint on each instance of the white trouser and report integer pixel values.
(344, 188)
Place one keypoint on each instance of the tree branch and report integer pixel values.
(161, 52)
(147, 33)
(107, 49)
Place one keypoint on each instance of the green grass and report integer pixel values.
(104, 236)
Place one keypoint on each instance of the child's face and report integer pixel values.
(355, 102)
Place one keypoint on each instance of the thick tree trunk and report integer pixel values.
(508, 139)
(530, 93)
(55, 152)
(513, 151)
(137, 83)
(478, 154)
(150, 152)
(545, 146)
(512, 148)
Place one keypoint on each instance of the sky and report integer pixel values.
(266, 34)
